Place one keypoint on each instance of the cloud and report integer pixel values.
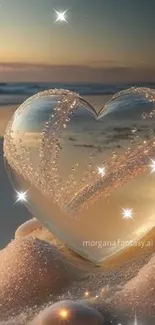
(102, 63)
(24, 72)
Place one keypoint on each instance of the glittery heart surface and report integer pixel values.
(88, 174)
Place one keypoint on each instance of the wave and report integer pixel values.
(15, 93)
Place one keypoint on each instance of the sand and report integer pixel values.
(30, 271)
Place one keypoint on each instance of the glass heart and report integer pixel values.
(88, 174)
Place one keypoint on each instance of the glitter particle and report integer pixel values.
(21, 196)
(101, 171)
(61, 16)
(127, 214)
(63, 313)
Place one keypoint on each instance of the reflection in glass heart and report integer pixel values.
(88, 174)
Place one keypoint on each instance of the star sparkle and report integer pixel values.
(101, 171)
(127, 213)
(61, 16)
(135, 320)
(152, 166)
(21, 196)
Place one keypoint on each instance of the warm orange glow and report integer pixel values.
(64, 313)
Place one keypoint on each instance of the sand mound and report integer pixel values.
(139, 293)
(30, 270)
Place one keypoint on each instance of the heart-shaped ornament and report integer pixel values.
(88, 175)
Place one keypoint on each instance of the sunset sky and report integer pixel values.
(105, 40)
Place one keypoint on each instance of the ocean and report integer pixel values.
(15, 93)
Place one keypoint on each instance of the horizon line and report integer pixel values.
(88, 66)
(81, 82)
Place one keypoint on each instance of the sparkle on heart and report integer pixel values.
(37, 143)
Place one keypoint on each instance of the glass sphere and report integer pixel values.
(70, 312)
(88, 175)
